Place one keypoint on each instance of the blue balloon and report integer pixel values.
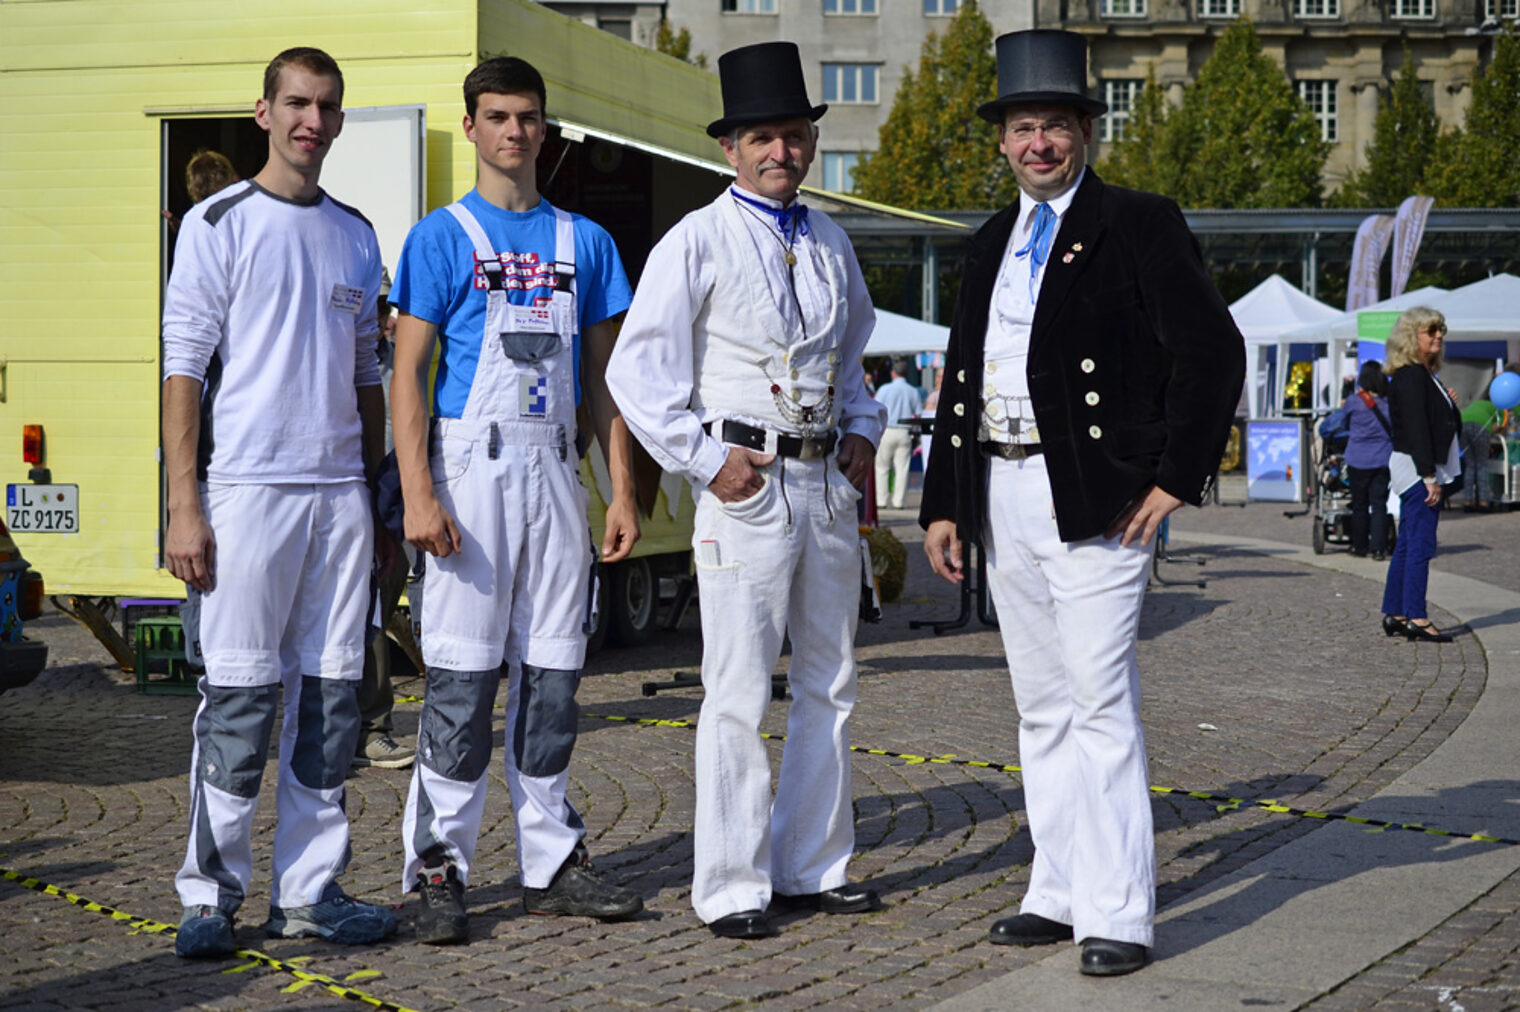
(1504, 391)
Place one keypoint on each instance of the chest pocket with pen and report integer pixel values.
(533, 377)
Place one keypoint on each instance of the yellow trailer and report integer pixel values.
(101, 105)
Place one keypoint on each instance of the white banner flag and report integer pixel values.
(1408, 229)
(1367, 260)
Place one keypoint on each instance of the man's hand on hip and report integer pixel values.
(856, 458)
(1143, 517)
(944, 550)
(738, 478)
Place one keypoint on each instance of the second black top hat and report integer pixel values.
(761, 84)
(1041, 66)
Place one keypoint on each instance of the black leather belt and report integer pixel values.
(1012, 451)
(798, 447)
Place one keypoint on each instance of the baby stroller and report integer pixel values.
(1330, 489)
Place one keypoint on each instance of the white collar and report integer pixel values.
(1059, 204)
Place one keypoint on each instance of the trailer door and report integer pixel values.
(379, 165)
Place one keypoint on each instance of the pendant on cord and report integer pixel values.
(791, 259)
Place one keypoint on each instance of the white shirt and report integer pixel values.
(272, 303)
(1007, 416)
(653, 372)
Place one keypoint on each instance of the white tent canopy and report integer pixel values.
(1486, 310)
(1264, 315)
(896, 334)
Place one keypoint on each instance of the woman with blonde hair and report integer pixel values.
(1423, 464)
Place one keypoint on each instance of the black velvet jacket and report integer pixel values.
(1135, 365)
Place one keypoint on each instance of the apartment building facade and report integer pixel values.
(853, 51)
(1341, 55)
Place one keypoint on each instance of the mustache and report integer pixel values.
(771, 163)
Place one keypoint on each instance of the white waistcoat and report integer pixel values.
(750, 363)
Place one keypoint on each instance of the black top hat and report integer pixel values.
(762, 84)
(1041, 66)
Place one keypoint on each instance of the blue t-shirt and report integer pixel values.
(435, 282)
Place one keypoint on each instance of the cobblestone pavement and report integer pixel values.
(1272, 682)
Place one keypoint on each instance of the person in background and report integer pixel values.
(1478, 422)
(931, 403)
(206, 173)
(1424, 461)
(1368, 445)
(377, 698)
(902, 401)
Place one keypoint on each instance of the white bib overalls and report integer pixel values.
(517, 591)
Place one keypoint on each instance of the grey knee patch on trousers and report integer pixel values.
(232, 731)
(547, 717)
(454, 732)
(327, 731)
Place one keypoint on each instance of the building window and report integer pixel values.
(839, 170)
(1414, 8)
(1319, 96)
(1120, 94)
(1122, 8)
(849, 6)
(749, 6)
(621, 27)
(1317, 8)
(1219, 8)
(849, 82)
(1502, 9)
(941, 8)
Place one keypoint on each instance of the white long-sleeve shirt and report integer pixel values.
(271, 304)
(807, 327)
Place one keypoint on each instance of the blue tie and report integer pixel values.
(791, 221)
(1038, 245)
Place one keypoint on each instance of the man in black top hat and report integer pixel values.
(752, 313)
(1091, 377)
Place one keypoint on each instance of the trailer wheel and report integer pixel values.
(1319, 536)
(633, 602)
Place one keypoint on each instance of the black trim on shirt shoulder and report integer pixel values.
(216, 211)
(351, 210)
(313, 202)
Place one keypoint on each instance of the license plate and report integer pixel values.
(42, 509)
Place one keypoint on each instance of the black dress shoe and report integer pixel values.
(1029, 929)
(1425, 633)
(1104, 957)
(846, 899)
(1394, 626)
(744, 924)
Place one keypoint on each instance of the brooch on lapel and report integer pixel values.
(1076, 248)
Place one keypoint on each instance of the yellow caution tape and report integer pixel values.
(1223, 803)
(304, 978)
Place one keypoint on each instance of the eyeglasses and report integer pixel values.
(1436, 329)
(1053, 129)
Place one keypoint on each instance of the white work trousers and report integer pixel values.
(1070, 615)
(785, 561)
(292, 579)
(894, 455)
(516, 589)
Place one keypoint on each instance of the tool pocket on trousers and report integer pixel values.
(521, 346)
(450, 457)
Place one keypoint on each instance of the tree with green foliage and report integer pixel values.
(678, 44)
(1403, 143)
(1242, 137)
(1479, 165)
(933, 150)
(1131, 161)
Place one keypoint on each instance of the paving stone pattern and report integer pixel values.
(1304, 699)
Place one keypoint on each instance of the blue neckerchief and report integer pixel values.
(1038, 245)
(791, 221)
